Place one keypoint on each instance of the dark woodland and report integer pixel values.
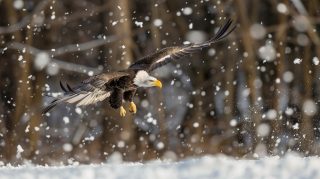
(254, 94)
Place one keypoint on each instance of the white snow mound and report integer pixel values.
(218, 167)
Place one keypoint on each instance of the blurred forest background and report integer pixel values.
(254, 94)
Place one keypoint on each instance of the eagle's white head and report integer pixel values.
(143, 79)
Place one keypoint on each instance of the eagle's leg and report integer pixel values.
(128, 96)
(115, 101)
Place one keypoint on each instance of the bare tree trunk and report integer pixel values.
(22, 97)
(313, 10)
(120, 58)
(279, 91)
(307, 133)
(306, 128)
(158, 96)
(249, 66)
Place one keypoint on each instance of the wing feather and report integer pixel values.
(89, 91)
(93, 97)
(76, 98)
(167, 55)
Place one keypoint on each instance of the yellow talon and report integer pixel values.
(122, 111)
(133, 107)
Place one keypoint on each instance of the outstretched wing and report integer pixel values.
(89, 91)
(168, 54)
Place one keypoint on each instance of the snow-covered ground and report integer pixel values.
(291, 166)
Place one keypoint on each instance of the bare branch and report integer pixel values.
(26, 20)
(300, 7)
(60, 20)
(60, 63)
(77, 15)
(84, 46)
(74, 47)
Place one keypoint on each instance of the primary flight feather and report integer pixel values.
(122, 85)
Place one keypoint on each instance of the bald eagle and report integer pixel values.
(122, 85)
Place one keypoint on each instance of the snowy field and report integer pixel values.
(291, 166)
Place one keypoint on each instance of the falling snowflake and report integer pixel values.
(282, 8)
(18, 4)
(66, 120)
(315, 60)
(187, 11)
(297, 60)
(139, 24)
(78, 110)
(310, 107)
(41, 60)
(288, 76)
(157, 22)
(257, 31)
(267, 52)
(263, 130)
(19, 151)
(67, 147)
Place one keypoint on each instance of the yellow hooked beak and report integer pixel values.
(157, 83)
